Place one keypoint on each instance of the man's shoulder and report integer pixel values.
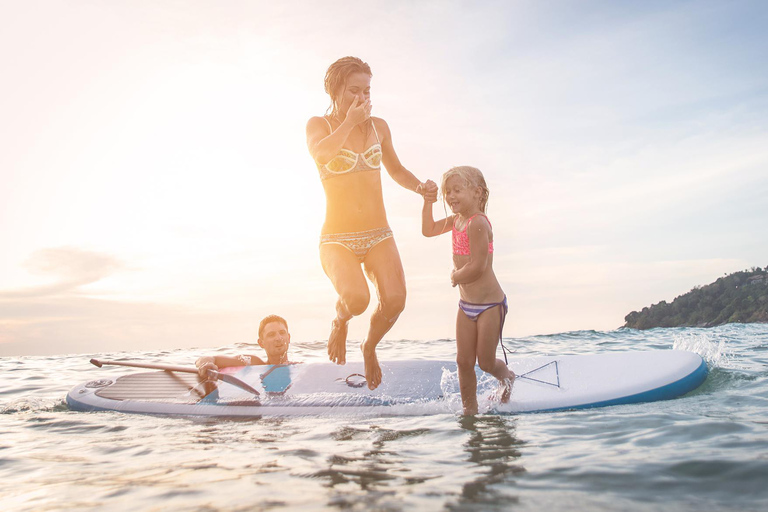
(251, 360)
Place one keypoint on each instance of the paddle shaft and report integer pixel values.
(145, 365)
(229, 379)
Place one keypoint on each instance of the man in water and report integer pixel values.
(274, 338)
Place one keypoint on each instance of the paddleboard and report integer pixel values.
(544, 383)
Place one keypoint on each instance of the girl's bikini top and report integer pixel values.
(347, 162)
(461, 239)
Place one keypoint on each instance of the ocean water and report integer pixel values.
(705, 451)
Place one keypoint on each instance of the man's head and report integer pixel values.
(274, 337)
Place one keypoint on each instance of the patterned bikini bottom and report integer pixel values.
(359, 242)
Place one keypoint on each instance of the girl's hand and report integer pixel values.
(428, 191)
(453, 282)
(359, 113)
(430, 194)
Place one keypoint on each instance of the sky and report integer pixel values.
(156, 191)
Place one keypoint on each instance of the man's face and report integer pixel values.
(275, 339)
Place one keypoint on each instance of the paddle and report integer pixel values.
(229, 379)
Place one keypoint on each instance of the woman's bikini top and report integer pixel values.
(461, 239)
(347, 162)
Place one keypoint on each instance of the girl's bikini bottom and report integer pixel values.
(473, 311)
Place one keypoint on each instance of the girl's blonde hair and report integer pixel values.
(473, 178)
(337, 75)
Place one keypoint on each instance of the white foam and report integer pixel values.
(26, 403)
(487, 387)
(713, 352)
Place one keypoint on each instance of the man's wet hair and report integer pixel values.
(271, 318)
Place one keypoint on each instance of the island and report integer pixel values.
(741, 297)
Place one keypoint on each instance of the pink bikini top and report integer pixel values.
(461, 239)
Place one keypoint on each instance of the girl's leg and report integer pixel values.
(466, 355)
(384, 269)
(343, 269)
(488, 329)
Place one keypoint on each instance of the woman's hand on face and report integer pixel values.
(359, 113)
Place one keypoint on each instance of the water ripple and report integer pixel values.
(704, 451)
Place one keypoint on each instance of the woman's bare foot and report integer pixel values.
(505, 388)
(372, 368)
(337, 341)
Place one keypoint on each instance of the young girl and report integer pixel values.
(483, 305)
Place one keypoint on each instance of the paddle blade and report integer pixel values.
(229, 379)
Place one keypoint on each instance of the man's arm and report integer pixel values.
(206, 363)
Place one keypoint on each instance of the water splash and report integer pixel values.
(449, 385)
(487, 390)
(713, 352)
(29, 403)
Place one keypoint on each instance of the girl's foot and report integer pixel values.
(505, 388)
(372, 368)
(337, 341)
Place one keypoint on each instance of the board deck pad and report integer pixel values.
(544, 383)
(162, 386)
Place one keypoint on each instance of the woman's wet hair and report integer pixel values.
(337, 75)
(473, 178)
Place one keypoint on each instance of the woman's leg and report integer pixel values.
(488, 330)
(384, 269)
(466, 355)
(343, 269)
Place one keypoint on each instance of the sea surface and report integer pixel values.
(705, 451)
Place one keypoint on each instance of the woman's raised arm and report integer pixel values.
(324, 143)
(399, 173)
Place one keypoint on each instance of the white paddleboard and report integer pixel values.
(544, 383)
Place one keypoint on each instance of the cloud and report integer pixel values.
(72, 268)
(67, 325)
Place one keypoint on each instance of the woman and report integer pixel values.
(349, 146)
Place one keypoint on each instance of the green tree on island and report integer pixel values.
(741, 297)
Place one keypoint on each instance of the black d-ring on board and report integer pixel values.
(353, 384)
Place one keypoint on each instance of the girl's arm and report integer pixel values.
(400, 174)
(428, 225)
(323, 146)
(479, 236)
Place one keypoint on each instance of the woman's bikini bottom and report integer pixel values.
(359, 243)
